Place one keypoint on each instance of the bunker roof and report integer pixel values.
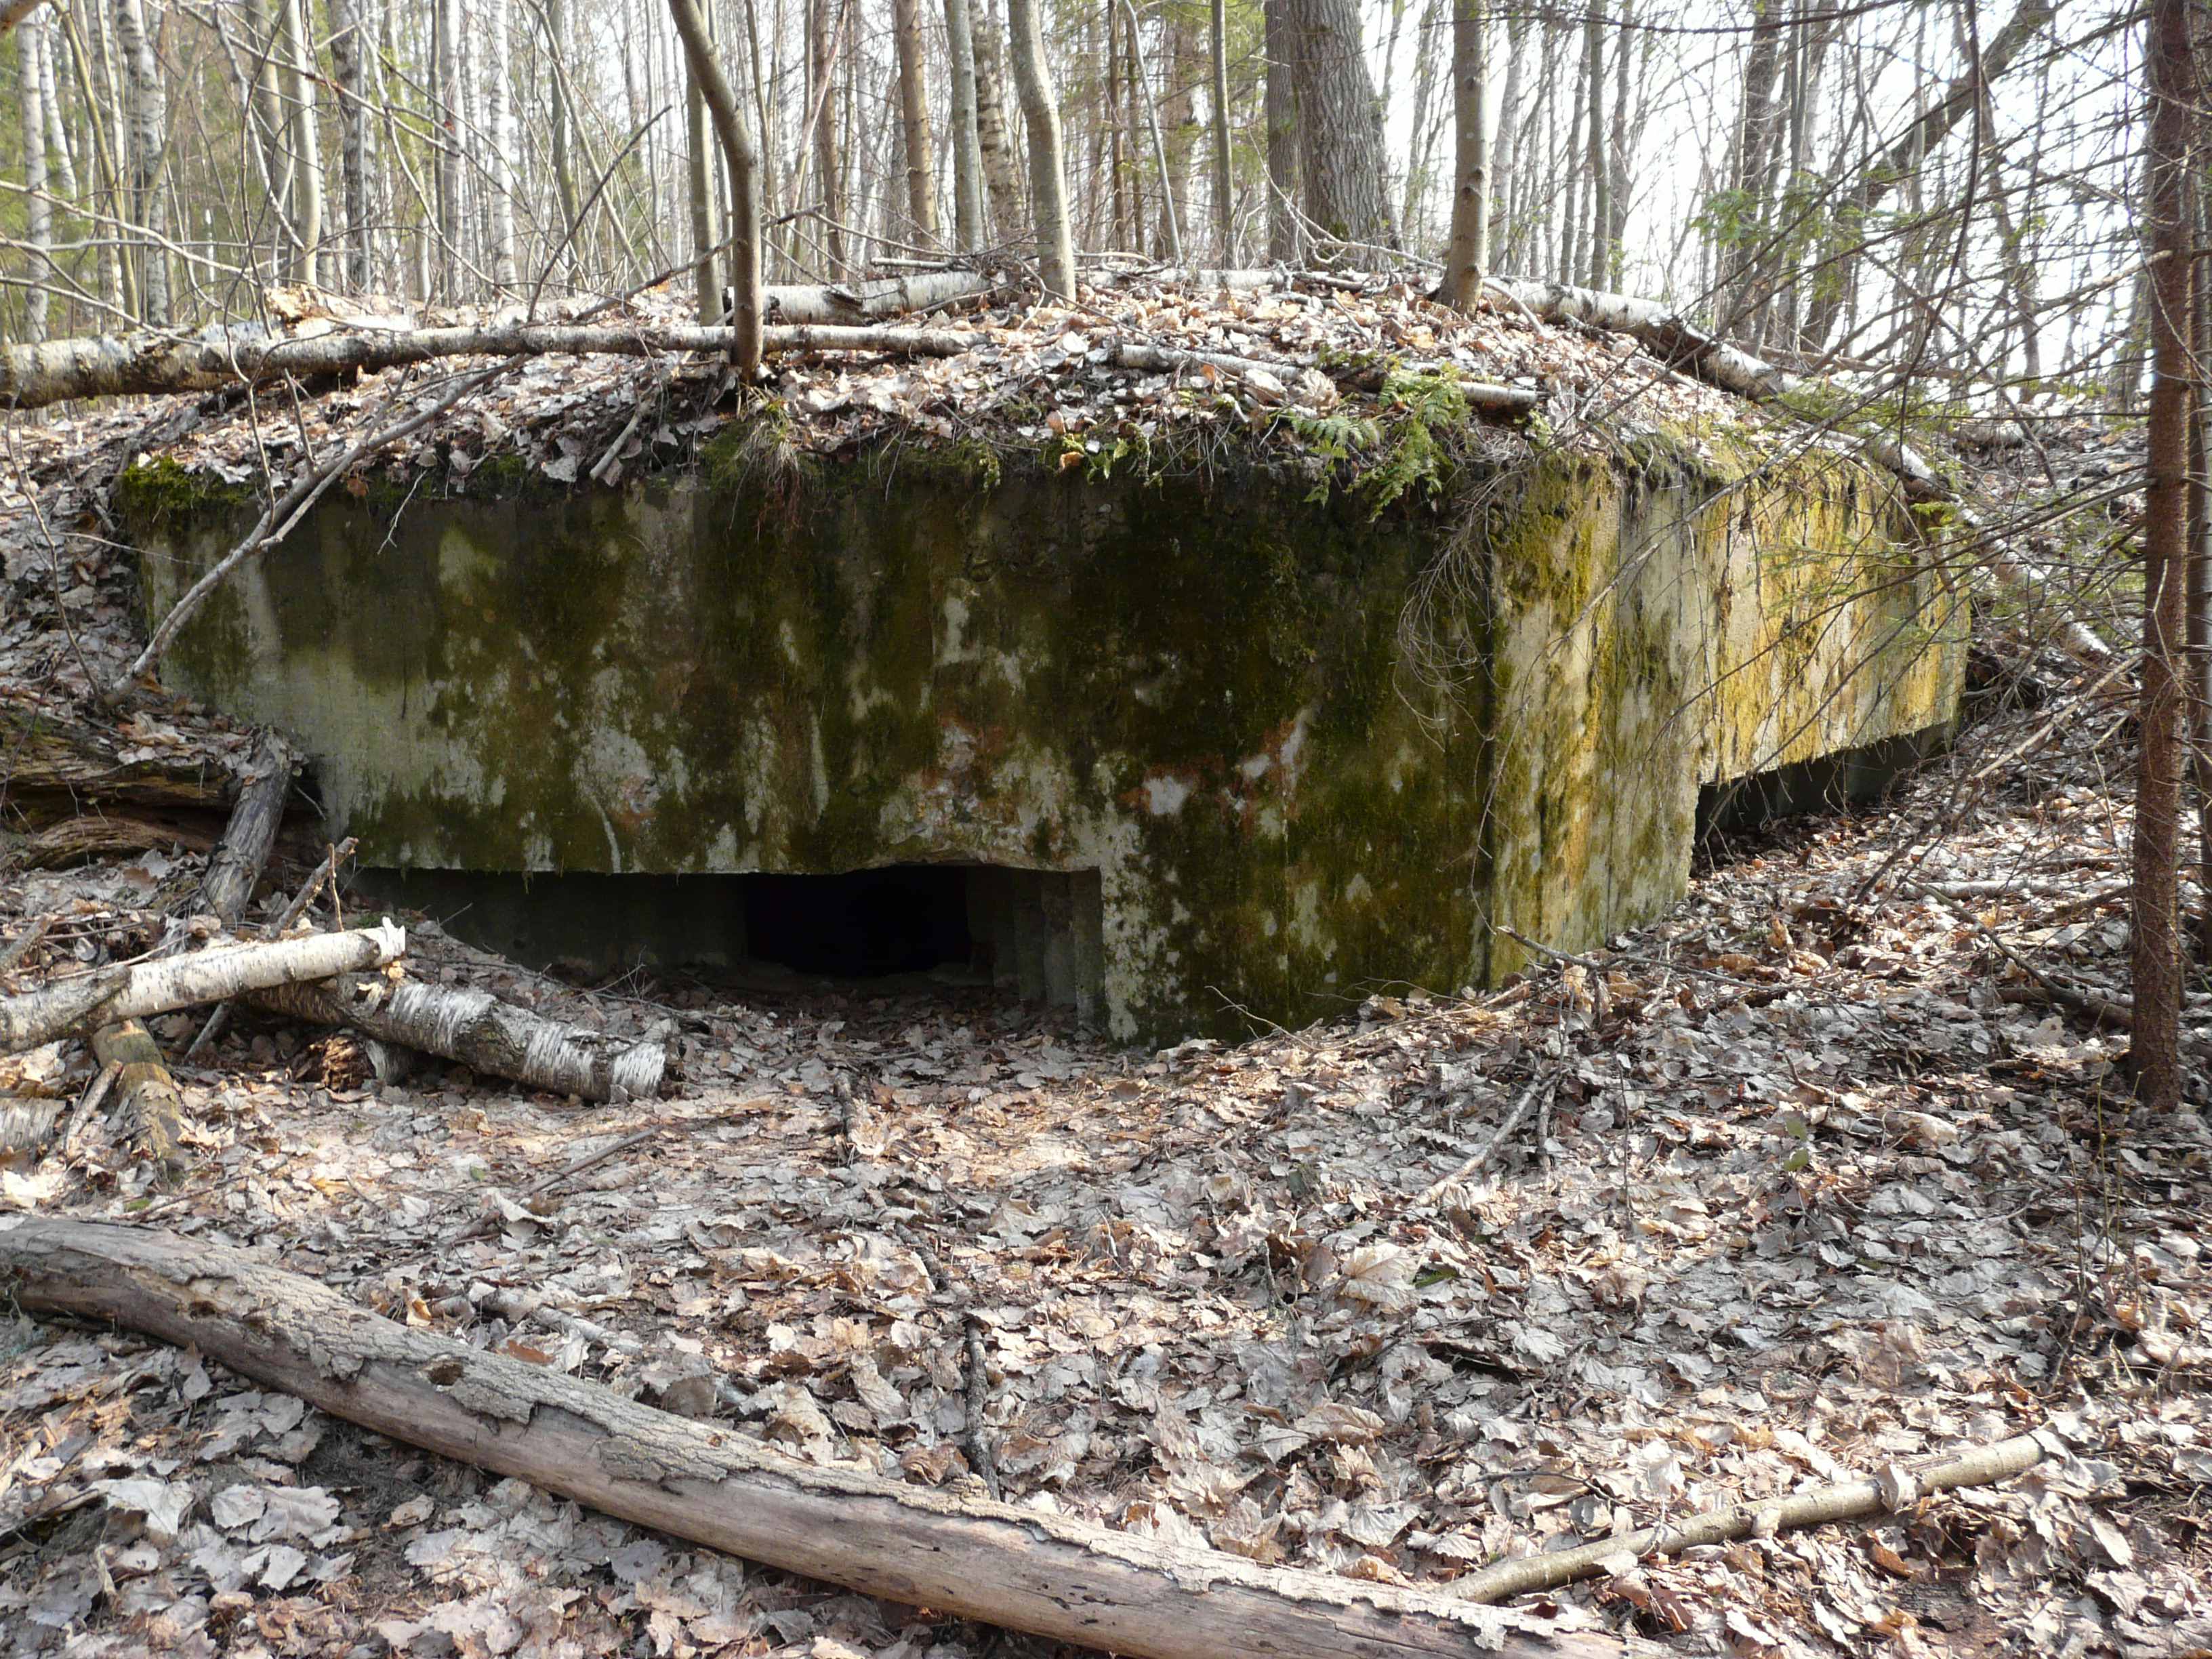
(1191, 374)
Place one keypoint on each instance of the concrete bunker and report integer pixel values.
(1213, 740)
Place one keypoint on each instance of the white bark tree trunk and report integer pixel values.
(217, 974)
(147, 114)
(500, 134)
(38, 212)
(307, 145)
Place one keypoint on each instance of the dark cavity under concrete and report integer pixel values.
(1037, 933)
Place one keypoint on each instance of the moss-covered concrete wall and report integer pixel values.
(1308, 750)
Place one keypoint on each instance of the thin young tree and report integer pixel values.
(913, 116)
(967, 154)
(1225, 196)
(742, 157)
(2155, 934)
(1048, 174)
(1468, 259)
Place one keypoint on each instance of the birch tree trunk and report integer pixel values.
(38, 212)
(993, 143)
(967, 156)
(446, 23)
(1503, 229)
(305, 140)
(146, 112)
(1048, 174)
(1469, 260)
(913, 116)
(1601, 174)
(500, 137)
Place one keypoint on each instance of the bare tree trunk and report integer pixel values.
(349, 44)
(1601, 174)
(148, 113)
(700, 174)
(38, 212)
(555, 16)
(2198, 699)
(1286, 237)
(967, 156)
(305, 140)
(1340, 125)
(500, 138)
(448, 83)
(742, 158)
(1507, 156)
(2155, 935)
(1225, 194)
(1047, 177)
(993, 140)
(914, 115)
(1170, 221)
(1468, 259)
(822, 17)
(1175, 105)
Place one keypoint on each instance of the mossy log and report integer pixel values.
(1021, 1569)
(53, 762)
(83, 836)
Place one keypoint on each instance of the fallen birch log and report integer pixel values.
(108, 366)
(480, 1032)
(136, 990)
(1020, 1569)
(872, 302)
(1857, 1500)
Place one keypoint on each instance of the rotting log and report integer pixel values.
(52, 763)
(135, 990)
(479, 1031)
(146, 1095)
(101, 833)
(150, 1097)
(1020, 1569)
(243, 853)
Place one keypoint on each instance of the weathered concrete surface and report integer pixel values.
(1307, 752)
